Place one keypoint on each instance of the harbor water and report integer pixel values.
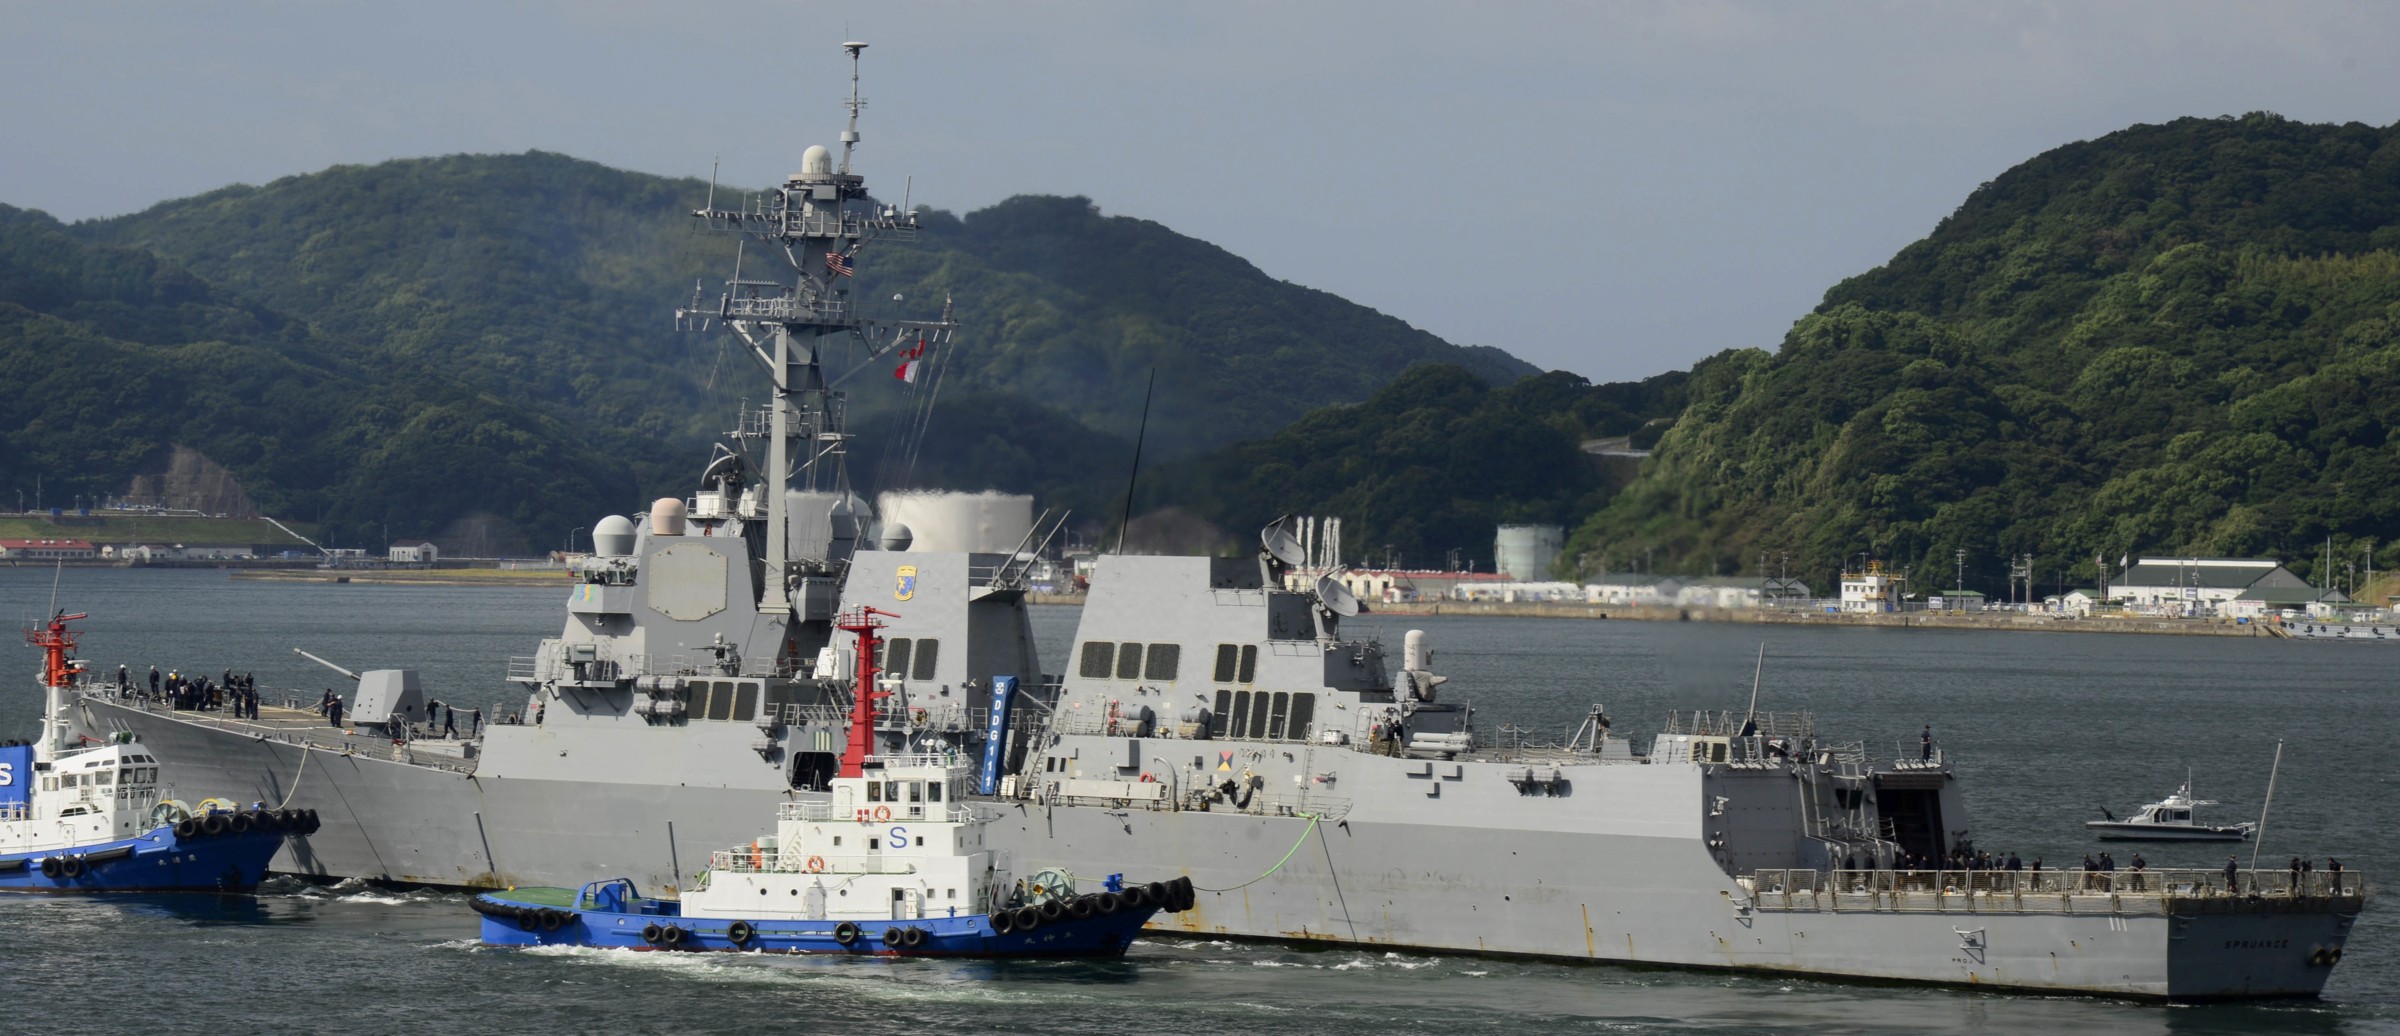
(2046, 730)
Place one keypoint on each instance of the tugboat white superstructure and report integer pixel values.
(894, 863)
(96, 818)
(2171, 819)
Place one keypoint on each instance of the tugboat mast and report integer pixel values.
(819, 220)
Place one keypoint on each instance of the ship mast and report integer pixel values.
(818, 220)
(59, 669)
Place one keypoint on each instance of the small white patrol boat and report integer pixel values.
(2169, 820)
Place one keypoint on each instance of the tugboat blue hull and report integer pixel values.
(158, 861)
(659, 925)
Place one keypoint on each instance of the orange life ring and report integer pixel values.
(816, 865)
(1147, 779)
(883, 813)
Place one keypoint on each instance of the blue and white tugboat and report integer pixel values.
(893, 863)
(95, 818)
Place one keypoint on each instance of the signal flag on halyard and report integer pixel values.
(838, 263)
(912, 362)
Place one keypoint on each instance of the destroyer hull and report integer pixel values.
(1508, 885)
(385, 820)
(1662, 902)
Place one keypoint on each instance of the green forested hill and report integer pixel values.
(391, 348)
(2173, 339)
(552, 280)
(1428, 465)
(114, 355)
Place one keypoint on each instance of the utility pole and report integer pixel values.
(1960, 582)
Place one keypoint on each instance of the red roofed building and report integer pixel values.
(46, 550)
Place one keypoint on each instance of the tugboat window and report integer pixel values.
(1164, 660)
(927, 651)
(1129, 662)
(895, 657)
(1099, 658)
(1249, 671)
(916, 791)
(874, 792)
(1225, 656)
(933, 792)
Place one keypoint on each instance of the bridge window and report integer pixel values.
(720, 700)
(1164, 660)
(1129, 662)
(928, 650)
(933, 792)
(895, 656)
(1225, 657)
(1099, 659)
(745, 702)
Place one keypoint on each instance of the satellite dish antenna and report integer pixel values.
(1281, 544)
(1337, 598)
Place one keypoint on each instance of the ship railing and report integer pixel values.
(762, 860)
(921, 812)
(785, 308)
(1729, 723)
(1911, 754)
(2049, 891)
(956, 763)
(523, 668)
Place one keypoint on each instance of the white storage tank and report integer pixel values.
(1525, 552)
(973, 522)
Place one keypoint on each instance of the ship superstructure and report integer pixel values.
(1215, 720)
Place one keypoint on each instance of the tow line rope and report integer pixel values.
(305, 752)
(1287, 858)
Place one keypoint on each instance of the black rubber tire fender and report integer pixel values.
(673, 936)
(1051, 910)
(551, 920)
(187, 828)
(1109, 902)
(52, 866)
(1082, 908)
(740, 932)
(239, 823)
(846, 933)
(71, 866)
(1028, 918)
(1137, 897)
(912, 937)
(213, 824)
(1004, 921)
(892, 937)
(653, 934)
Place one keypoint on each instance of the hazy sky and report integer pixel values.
(1615, 189)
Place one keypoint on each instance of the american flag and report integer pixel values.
(838, 263)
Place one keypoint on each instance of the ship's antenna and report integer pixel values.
(850, 136)
(1135, 475)
(55, 573)
(1755, 676)
(2259, 840)
(907, 186)
(713, 162)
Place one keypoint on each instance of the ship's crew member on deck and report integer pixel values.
(2295, 877)
(433, 711)
(475, 721)
(2334, 866)
(122, 680)
(449, 722)
(2233, 877)
(1927, 738)
(154, 681)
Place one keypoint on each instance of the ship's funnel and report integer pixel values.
(613, 537)
(666, 517)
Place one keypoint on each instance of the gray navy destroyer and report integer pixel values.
(1214, 722)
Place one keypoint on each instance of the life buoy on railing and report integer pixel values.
(883, 813)
(1147, 779)
(816, 865)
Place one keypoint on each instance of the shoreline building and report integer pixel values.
(1873, 589)
(2200, 586)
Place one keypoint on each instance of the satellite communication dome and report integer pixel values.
(895, 537)
(666, 517)
(613, 537)
(816, 161)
